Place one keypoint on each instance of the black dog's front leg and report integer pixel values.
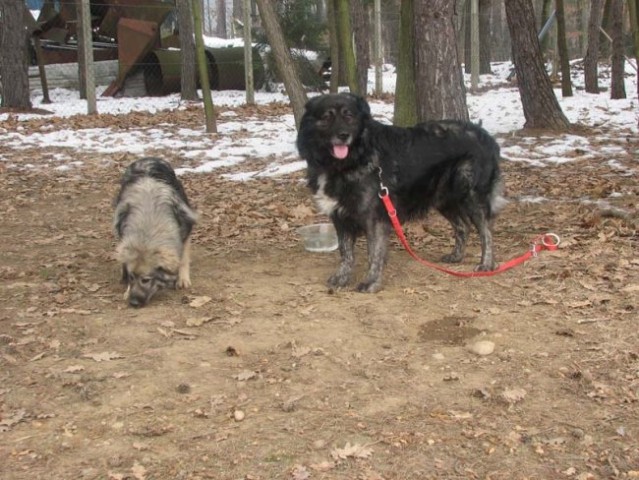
(377, 236)
(346, 242)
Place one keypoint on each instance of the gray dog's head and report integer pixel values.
(147, 271)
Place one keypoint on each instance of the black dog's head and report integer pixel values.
(331, 125)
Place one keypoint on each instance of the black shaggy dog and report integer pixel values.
(448, 165)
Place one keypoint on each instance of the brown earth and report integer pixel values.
(276, 378)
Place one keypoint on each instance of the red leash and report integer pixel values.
(547, 241)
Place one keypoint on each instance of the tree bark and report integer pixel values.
(617, 73)
(633, 7)
(187, 47)
(545, 15)
(591, 60)
(405, 108)
(334, 45)
(484, 37)
(14, 67)
(437, 69)
(485, 50)
(283, 59)
(541, 108)
(360, 21)
(562, 48)
(605, 49)
(345, 34)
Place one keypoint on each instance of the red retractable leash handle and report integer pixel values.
(546, 241)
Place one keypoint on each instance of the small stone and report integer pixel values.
(438, 356)
(183, 388)
(483, 347)
(238, 415)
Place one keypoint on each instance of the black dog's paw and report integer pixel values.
(338, 280)
(452, 258)
(485, 268)
(369, 287)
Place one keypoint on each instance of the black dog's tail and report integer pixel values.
(497, 200)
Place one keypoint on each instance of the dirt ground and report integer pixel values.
(259, 372)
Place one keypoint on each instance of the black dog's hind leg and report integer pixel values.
(480, 217)
(377, 237)
(460, 227)
(346, 242)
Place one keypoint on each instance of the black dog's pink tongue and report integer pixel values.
(340, 151)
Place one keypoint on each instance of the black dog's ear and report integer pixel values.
(363, 106)
(312, 103)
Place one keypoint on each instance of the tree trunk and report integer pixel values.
(545, 15)
(334, 45)
(220, 27)
(617, 74)
(562, 48)
(633, 7)
(484, 37)
(187, 47)
(345, 34)
(14, 68)
(605, 49)
(591, 60)
(437, 70)
(283, 59)
(541, 108)
(485, 51)
(362, 34)
(405, 114)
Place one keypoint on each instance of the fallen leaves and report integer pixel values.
(103, 356)
(197, 302)
(351, 451)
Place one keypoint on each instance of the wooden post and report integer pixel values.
(474, 44)
(86, 43)
(248, 54)
(209, 111)
(43, 73)
(377, 42)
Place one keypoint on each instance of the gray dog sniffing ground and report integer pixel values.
(153, 221)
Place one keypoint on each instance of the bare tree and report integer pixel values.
(617, 76)
(545, 15)
(187, 48)
(562, 48)
(633, 7)
(333, 39)
(286, 66)
(14, 67)
(541, 108)
(347, 52)
(484, 37)
(405, 113)
(591, 60)
(360, 21)
(441, 93)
